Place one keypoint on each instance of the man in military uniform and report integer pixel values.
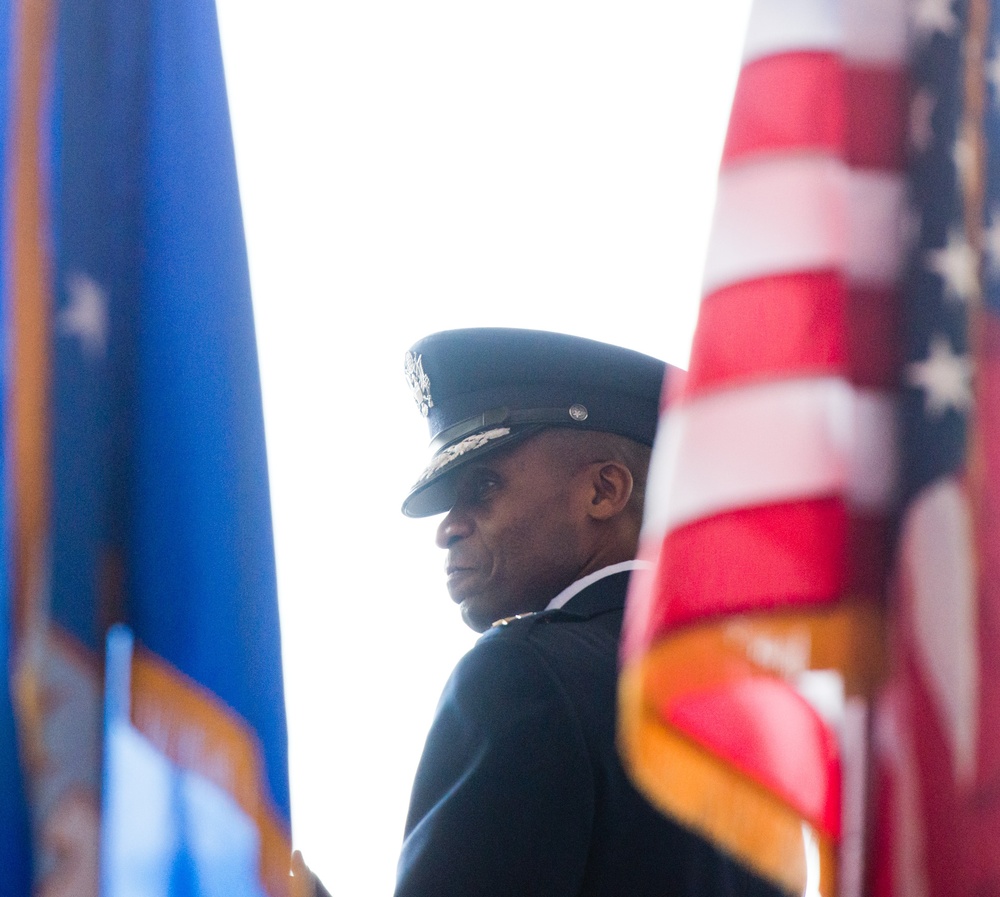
(540, 450)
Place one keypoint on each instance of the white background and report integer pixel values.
(409, 167)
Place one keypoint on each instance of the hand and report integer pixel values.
(303, 881)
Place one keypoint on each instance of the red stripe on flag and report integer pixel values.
(764, 728)
(783, 555)
(787, 324)
(874, 347)
(785, 102)
(938, 799)
(870, 546)
(988, 549)
(811, 100)
(805, 323)
(877, 118)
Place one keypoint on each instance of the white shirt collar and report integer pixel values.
(578, 586)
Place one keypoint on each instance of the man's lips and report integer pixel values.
(457, 562)
(454, 575)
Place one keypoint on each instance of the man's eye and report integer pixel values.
(484, 487)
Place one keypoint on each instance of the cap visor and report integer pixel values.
(434, 492)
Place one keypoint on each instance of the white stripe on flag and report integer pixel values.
(784, 215)
(938, 559)
(875, 241)
(873, 472)
(768, 443)
(868, 30)
(780, 26)
(876, 30)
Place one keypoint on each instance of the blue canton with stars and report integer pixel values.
(941, 283)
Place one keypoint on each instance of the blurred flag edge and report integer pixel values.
(134, 466)
(752, 651)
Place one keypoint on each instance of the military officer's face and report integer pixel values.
(515, 535)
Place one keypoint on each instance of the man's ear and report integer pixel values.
(611, 487)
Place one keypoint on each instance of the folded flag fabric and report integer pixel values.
(751, 654)
(844, 376)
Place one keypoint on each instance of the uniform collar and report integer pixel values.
(575, 588)
(602, 593)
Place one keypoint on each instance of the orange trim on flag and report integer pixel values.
(670, 694)
(27, 419)
(696, 788)
(846, 637)
(28, 292)
(197, 731)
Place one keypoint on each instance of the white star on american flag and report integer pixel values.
(921, 110)
(86, 315)
(930, 16)
(956, 264)
(945, 378)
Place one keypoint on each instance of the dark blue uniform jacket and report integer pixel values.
(520, 790)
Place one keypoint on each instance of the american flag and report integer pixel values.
(938, 726)
(752, 653)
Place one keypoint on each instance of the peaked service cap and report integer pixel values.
(482, 389)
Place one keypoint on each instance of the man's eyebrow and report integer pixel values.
(481, 466)
(479, 473)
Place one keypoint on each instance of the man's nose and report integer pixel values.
(456, 525)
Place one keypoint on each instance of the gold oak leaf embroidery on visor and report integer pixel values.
(470, 443)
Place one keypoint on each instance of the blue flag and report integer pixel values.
(133, 454)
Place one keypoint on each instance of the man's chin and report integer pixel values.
(476, 612)
(474, 617)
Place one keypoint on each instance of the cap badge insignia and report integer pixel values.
(419, 382)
